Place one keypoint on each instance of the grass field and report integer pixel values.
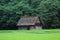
(30, 34)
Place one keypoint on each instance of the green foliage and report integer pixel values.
(12, 10)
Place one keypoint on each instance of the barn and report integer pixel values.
(29, 23)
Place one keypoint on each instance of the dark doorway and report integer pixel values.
(28, 28)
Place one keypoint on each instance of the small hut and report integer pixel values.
(29, 23)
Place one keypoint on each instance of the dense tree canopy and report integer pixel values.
(12, 10)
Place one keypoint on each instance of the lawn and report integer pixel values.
(30, 34)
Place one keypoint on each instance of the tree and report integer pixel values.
(12, 10)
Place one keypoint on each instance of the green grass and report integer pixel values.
(30, 34)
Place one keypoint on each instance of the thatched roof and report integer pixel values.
(30, 20)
